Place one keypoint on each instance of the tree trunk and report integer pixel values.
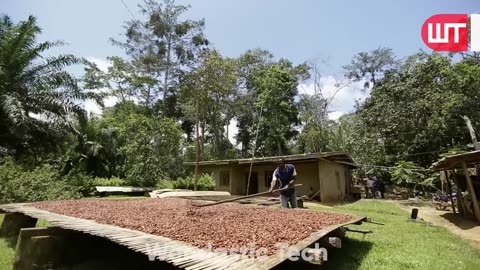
(373, 79)
(476, 145)
(202, 140)
(197, 149)
(167, 70)
(226, 128)
(147, 100)
(215, 129)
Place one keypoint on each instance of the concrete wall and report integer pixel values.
(307, 174)
(334, 180)
(216, 172)
(237, 182)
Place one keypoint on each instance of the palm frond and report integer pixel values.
(36, 91)
(5, 25)
(14, 110)
(21, 40)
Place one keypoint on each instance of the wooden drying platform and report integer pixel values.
(177, 253)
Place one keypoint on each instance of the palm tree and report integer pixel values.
(37, 96)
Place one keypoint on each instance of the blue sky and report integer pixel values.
(298, 30)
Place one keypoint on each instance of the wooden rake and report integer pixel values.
(249, 196)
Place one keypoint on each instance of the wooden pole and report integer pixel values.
(460, 203)
(197, 146)
(476, 207)
(449, 187)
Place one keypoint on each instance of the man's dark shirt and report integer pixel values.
(285, 177)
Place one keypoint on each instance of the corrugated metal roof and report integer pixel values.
(331, 156)
(455, 161)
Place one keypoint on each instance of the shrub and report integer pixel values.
(205, 182)
(165, 184)
(21, 184)
(112, 182)
(85, 184)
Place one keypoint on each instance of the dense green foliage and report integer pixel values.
(41, 183)
(205, 182)
(172, 78)
(37, 96)
(415, 113)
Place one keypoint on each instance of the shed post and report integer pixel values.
(460, 204)
(476, 208)
(449, 187)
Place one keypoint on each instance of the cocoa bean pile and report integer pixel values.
(221, 226)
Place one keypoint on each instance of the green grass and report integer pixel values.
(398, 244)
(7, 251)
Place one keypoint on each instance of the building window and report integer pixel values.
(268, 178)
(225, 179)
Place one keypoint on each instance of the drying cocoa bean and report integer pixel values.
(220, 226)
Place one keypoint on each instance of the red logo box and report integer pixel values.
(446, 32)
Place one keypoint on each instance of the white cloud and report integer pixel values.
(110, 101)
(92, 108)
(344, 100)
(335, 115)
(102, 64)
(232, 131)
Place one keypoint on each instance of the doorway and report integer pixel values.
(253, 183)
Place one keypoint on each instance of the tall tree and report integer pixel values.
(258, 74)
(38, 98)
(249, 67)
(278, 117)
(317, 131)
(162, 48)
(120, 79)
(415, 112)
(213, 85)
(148, 146)
(370, 66)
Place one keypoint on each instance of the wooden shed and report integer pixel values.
(464, 170)
(330, 173)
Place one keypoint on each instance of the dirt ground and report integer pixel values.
(465, 228)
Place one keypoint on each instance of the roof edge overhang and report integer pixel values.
(336, 157)
(471, 159)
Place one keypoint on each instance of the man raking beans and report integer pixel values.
(284, 176)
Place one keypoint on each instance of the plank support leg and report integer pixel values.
(14, 222)
(39, 247)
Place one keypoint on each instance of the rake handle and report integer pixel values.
(248, 196)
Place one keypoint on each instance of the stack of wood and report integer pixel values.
(312, 196)
(441, 205)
